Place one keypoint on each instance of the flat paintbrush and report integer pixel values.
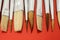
(5, 16)
(39, 15)
(18, 15)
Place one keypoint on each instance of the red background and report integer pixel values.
(34, 35)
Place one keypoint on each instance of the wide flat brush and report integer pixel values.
(18, 15)
(5, 16)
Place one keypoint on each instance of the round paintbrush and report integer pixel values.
(47, 13)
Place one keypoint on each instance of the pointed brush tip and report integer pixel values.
(47, 27)
(31, 28)
(52, 25)
(47, 21)
(27, 25)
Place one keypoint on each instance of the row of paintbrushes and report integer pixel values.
(19, 7)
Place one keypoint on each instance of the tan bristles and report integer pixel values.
(4, 23)
(59, 17)
(39, 23)
(31, 18)
(18, 20)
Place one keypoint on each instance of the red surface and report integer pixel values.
(34, 35)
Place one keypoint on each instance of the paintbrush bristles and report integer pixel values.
(10, 21)
(39, 23)
(59, 17)
(31, 18)
(52, 24)
(4, 23)
(47, 21)
(18, 20)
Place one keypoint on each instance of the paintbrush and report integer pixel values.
(52, 13)
(5, 16)
(31, 13)
(47, 13)
(11, 12)
(26, 12)
(39, 15)
(18, 15)
(58, 10)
